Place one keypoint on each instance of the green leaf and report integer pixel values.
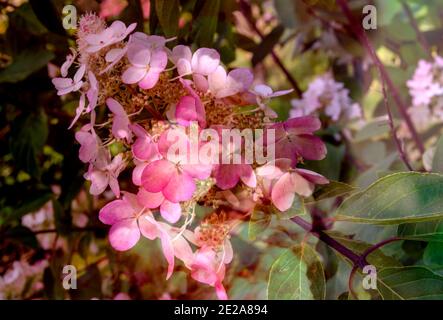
(267, 44)
(297, 209)
(433, 255)
(425, 231)
(437, 162)
(30, 203)
(258, 223)
(168, 15)
(206, 23)
(297, 275)
(397, 198)
(409, 283)
(24, 64)
(29, 135)
(22, 235)
(331, 190)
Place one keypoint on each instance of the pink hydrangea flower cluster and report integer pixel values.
(426, 90)
(326, 96)
(147, 92)
(22, 279)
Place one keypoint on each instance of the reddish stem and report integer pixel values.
(363, 38)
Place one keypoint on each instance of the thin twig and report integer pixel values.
(421, 39)
(246, 10)
(400, 149)
(356, 260)
(363, 38)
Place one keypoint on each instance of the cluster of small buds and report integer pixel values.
(325, 96)
(147, 93)
(426, 90)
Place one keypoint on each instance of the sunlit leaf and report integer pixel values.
(297, 275)
(409, 283)
(397, 198)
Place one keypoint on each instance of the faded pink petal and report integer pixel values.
(170, 211)
(181, 187)
(283, 192)
(148, 226)
(124, 234)
(150, 80)
(157, 175)
(205, 61)
(133, 75)
(150, 200)
(115, 211)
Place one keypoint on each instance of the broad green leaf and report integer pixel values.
(433, 255)
(267, 44)
(206, 23)
(29, 135)
(425, 231)
(397, 198)
(24, 64)
(258, 223)
(331, 190)
(297, 275)
(168, 15)
(29, 204)
(410, 283)
(437, 162)
(330, 166)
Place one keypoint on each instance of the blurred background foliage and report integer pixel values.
(39, 156)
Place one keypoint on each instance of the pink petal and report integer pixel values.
(115, 107)
(312, 176)
(150, 200)
(247, 175)
(181, 52)
(124, 234)
(227, 176)
(157, 175)
(170, 211)
(139, 56)
(198, 171)
(263, 90)
(148, 226)
(99, 182)
(181, 187)
(183, 251)
(150, 80)
(200, 82)
(115, 211)
(159, 60)
(185, 111)
(133, 75)
(283, 192)
(217, 80)
(204, 61)
(137, 173)
(168, 251)
(79, 110)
